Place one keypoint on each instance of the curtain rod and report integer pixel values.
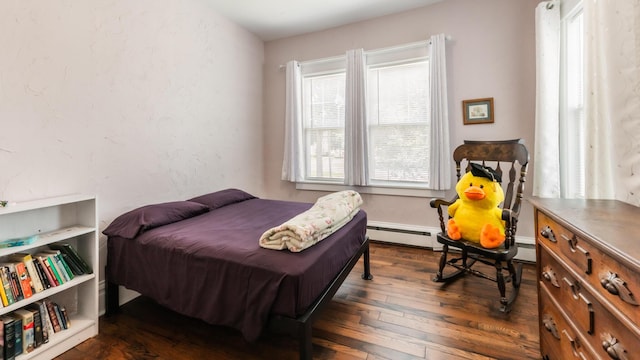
(390, 48)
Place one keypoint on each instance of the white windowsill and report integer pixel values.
(377, 190)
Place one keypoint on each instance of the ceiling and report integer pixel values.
(276, 19)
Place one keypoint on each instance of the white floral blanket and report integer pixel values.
(326, 216)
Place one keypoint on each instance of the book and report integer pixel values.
(61, 265)
(47, 328)
(16, 289)
(75, 268)
(17, 326)
(51, 265)
(5, 278)
(24, 279)
(28, 334)
(42, 259)
(44, 275)
(38, 332)
(55, 323)
(9, 334)
(65, 316)
(34, 275)
(3, 295)
(61, 319)
(73, 254)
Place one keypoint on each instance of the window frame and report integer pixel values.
(407, 53)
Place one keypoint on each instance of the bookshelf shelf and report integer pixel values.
(63, 220)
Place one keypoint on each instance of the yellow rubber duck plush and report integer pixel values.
(475, 215)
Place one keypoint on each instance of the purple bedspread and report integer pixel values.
(211, 267)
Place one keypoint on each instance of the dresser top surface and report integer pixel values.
(613, 226)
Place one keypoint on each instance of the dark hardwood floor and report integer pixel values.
(400, 314)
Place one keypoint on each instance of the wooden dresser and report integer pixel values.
(588, 264)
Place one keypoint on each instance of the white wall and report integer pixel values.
(491, 55)
(135, 101)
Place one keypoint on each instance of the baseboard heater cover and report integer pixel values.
(414, 235)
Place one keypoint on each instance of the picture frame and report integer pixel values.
(477, 111)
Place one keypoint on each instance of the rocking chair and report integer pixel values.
(512, 155)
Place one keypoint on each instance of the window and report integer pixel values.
(572, 119)
(397, 113)
(323, 119)
(398, 122)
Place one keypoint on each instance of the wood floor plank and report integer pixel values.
(400, 314)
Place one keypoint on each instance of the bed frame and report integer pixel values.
(301, 326)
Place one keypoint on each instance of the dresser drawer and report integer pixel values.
(591, 318)
(558, 340)
(616, 283)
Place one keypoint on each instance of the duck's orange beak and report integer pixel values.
(474, 193)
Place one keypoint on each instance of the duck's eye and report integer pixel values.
(470, 184)
(481, 186)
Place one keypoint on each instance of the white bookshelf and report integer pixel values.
(71, 219)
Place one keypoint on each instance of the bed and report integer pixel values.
(201, 258)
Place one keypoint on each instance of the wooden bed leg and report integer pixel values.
(112, 297)
(367, 265)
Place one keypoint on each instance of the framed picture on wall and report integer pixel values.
(477, 111)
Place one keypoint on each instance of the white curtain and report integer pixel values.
(612, 47)
(293, 132)
(546, 167)
(355, 120)
(440, 154)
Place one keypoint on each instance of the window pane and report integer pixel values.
(573, 127)
(323, 116)
(325, 153)
(398, 116)
(399, 153)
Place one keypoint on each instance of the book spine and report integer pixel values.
(75, 268)
(6, 284)
(52, 265)
(17, 346)
(3, 292)
(65, 316)
(49, 271)
(47, 328)
(38, 335)
(9, 339)
(16, 288)
(64, 269)
(44, 276)
(63, 323)
(24, 278)
(33, 274)
(74, 253)
(52, 315)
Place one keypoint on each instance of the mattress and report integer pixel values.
(211, 267)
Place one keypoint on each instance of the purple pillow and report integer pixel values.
(221, 198)
(137, 221)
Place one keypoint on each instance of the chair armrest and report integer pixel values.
(439, 203)
(509, 216)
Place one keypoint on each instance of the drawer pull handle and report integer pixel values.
(573, 245)
(573, 342)
(611, 345)
(573, 286)
(547, 233)
(549, 275)
(550, 325)
(617, 286)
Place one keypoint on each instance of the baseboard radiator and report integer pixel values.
(414, 235)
